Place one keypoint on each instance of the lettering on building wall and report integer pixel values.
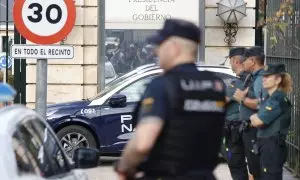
(152, 10)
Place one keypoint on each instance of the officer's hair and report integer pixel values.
(260, 59)
(187, 45)
(286, 82)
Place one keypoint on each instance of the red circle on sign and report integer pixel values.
(60, 35)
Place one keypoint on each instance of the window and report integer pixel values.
(4, 44)
(225, 77)
(25, 161)
(127, 49)
(135, 90)
(57, 159)
(37, 151)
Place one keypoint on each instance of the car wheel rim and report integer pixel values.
(72, 141)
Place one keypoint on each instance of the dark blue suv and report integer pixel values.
(104, 121)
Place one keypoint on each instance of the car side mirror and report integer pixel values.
(86, 158)
(118, 100)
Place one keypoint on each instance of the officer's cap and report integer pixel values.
(7, 93)
(254, 51)
(274, 69)
(176, 27)
(238, 51)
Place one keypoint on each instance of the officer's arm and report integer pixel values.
(259, 92)
(151, 121)
(230, 90)
(140, 145)
(251, 103)
(266, 114)
(255, 121)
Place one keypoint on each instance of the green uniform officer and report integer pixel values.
(273, 120)
(233, 149)
(249, 104)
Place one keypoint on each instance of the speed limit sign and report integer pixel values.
(44, 21)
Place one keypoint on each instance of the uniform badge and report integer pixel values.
(148, 101)
(147, 104)
(268, 108)
(231, 85)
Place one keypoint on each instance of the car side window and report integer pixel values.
(225, 77)
(52, 147)
(37, 151)
(135, 90)
(26, 163)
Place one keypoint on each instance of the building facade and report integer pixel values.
(76, 79)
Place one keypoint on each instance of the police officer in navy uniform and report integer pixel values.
(250, 100)
(182, 114)
(273, 121)
(233, 144)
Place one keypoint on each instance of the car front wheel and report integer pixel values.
(73, 137)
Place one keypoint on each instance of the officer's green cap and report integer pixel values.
(254, 51)
(274, 69)
(237, 51)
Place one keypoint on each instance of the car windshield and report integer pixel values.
(126, 77)
(131, 73)
(111, 86)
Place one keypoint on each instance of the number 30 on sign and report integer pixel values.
(44, 21)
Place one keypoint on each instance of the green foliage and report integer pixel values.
(276, 25)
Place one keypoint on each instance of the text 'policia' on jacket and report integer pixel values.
(196, 117)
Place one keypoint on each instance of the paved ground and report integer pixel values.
(105, 172)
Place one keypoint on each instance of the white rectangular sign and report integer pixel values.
(42, 52)
(144, 14)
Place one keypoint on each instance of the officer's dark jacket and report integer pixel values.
(232, 113)
(193, 111)
(256, 91)
(275, 113)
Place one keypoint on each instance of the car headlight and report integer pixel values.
(51, 112)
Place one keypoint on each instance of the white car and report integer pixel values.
(30, 149)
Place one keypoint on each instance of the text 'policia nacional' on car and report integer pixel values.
(104, 121)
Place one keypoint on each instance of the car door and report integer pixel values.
(38, 152)
(118, 126)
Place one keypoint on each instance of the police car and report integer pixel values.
(104, 121)
(30, 149)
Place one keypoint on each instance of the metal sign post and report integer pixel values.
(43, 22)
(41, 86)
